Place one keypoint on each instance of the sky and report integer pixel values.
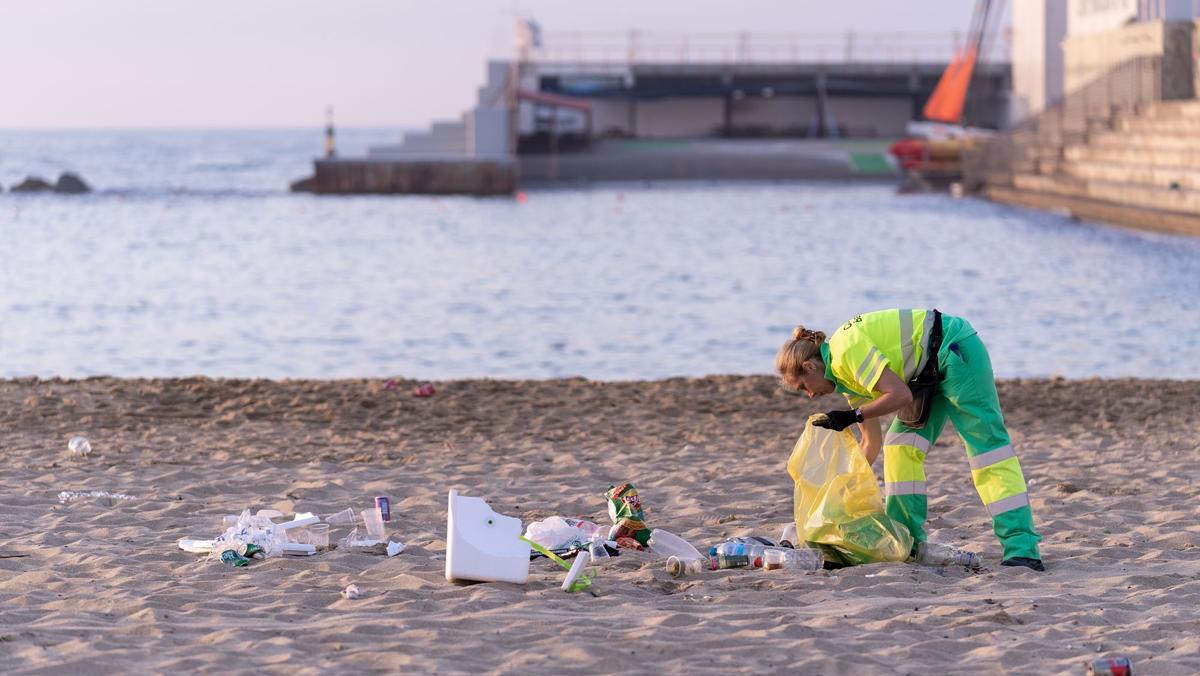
(279, 63)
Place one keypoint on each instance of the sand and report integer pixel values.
(97, 585)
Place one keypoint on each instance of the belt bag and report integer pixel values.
(924, 385)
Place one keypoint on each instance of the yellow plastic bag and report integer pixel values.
(838, 505)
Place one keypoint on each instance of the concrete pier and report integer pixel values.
(467, 176)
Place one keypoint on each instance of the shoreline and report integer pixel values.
(95, 585)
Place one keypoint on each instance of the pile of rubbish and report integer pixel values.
(260, 536)
(839, 521)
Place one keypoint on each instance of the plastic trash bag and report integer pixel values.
(257, 530)
(559, 533)
(837, 500)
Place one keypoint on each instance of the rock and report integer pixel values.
(32, 184)
(303, 184)
(71, 184)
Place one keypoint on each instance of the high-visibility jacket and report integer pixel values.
(898, 340)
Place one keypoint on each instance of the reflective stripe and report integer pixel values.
(906, 344)
(992, 457)
(926, 328)
(908, 439)
(876, 372)
(867, 362)
(905, 488)
(1008, 504)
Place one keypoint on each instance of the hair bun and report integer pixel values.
(801, 333)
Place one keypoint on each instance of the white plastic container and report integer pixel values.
(483, 545)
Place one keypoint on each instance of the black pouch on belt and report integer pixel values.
(924, 385)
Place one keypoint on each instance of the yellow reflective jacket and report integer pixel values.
(859, 350)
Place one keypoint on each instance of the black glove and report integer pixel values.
(837, 420)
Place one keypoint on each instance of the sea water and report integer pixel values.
(192, 258)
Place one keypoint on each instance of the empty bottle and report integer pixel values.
(80, 446)
(730, 555)
(934, 554)
(755, 548)
(794, 560)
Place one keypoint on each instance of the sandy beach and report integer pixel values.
(97, 585)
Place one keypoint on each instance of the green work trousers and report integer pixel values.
(967, 395)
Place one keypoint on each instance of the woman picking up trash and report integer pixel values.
(883, 362)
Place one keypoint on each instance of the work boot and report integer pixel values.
(1035, 564)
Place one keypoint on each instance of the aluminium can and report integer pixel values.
(1111, 666)
(385, 507)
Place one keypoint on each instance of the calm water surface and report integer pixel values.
(192, 259)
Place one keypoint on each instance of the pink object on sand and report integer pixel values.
(425, 390)
(390, 384)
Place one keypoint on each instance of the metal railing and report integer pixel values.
(1038, 143)
(638, 47)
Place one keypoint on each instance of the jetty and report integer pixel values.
(644, 106)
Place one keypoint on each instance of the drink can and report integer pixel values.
(1111, 666)
(385, 507)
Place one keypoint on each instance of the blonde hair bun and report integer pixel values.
(801, 333)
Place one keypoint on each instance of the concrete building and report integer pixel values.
(1039, 27)
(1059, 46)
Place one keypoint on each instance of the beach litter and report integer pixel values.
(234, 559)
(373, 520)
(256, 531)
(425, 390)
(391, 384)
(394, 548)
(558, 532)
(629, 522)
(351, 592)
(256, 536)
(483, 545)
(342, 518)
(1111, 666)
(68, 496)
(567, 537)
(577, 578)
(80, 446)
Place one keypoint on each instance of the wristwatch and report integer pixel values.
(858, 414)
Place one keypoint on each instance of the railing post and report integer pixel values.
(849, 46)
(633, 34)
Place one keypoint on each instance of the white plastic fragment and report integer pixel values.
(394, 548)
(297, 522)
(351, 592)
(196, 546)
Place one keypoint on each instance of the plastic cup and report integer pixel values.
(374, 522)
(317, 535)
(342, 518)
(597, 549)
(773, 559)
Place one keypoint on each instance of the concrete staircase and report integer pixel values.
(443, 139)
(1141, 168)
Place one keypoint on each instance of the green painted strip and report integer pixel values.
(871, 163)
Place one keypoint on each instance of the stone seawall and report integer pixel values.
(420, 177)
